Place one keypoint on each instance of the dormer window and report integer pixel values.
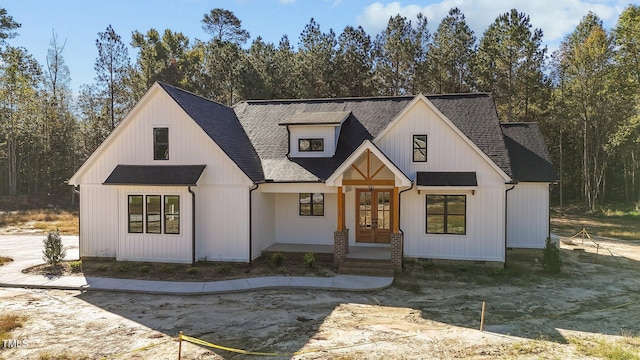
(310, 145)
(160, 143)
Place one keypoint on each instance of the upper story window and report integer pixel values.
(419, 148)
(160, 143)
(310, 145)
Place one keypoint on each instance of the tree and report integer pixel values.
(594, 100)
(20, 75)
(354, 63)
(510, 65)
(451, 55)
(112, 68)
(316, 55)
(53, 252)
(224, 26)
(7, 25)
(400, 56)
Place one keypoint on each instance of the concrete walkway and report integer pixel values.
(26, 251)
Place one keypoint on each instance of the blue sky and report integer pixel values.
(78, 21)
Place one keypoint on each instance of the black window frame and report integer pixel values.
(144, 214)
(129, 213)
(312, 204)
(147, 215)
(166, 214)
(311, 142)
(414, 147)
(157, 144)
(445, 215)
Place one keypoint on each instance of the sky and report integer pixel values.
(77, 22)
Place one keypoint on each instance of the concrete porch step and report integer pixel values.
(369, 267)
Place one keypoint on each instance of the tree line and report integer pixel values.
(585, 95)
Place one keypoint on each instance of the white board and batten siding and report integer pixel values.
(263, 221)
(222, 187)
(446, 151)
(291, 228)
(528, 218)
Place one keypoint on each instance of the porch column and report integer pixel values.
(396, 239)
(341, 235)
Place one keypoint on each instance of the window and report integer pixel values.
(310, 145)
(135, 214)
(172, 214)
(419, 148)
(311, 204)
(148, 214)
(446, 214)
(160, 143)
(153, 214)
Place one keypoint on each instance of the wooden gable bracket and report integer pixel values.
(367, 177)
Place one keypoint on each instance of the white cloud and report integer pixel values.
(556, 18)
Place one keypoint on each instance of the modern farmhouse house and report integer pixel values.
(184, 179)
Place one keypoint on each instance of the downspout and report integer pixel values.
(76, 190)
(506, 205)
(400, 215)
(193, 225)
(251, 223)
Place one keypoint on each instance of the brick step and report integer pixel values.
(369, 267)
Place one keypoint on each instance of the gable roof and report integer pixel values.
(473, 114)
(261, 119)
(317, 118)
(222, 126)
(530, 159)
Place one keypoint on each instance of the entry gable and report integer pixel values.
(472, 118)
(368, 165)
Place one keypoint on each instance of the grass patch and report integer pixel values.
(616, 221)
(76, 266)
(9, 322)
(42, 220)
(627, 348)
(4, 260)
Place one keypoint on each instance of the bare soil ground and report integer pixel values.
(431, 311)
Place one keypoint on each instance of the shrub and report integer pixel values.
(122, 267)
(309, 259)
(167, 269)
(102, 267)
(192, 270)
(53, 251)
(277, 259)
(551, 261)
(144, 268)
(224, 268)
(76, 266)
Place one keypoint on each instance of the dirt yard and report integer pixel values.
(432, 311)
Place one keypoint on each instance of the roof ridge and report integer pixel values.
(164, 85)
(363, 98)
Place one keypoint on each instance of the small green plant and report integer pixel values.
(122, 267)
(102, 267)
(167, 269)
(309, 259)
(551, 261)
(76, 266)
(277, 259)
(144, 268)
(224, 268)
(53, 251)
(192, 270)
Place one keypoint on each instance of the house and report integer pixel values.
(184, 179)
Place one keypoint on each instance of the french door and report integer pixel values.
(373, 216)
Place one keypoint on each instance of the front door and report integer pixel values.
(373, 214)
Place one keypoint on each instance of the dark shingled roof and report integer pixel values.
(473, 114)
(435, 178)
(170, 175)
(530, 158)
(317, 118)
(260, 120)
(222, 126)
